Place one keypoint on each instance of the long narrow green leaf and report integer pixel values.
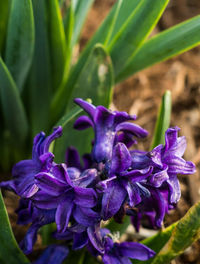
(163, 120)
(9, 250)
(126, 9)
(68, 23)
(4, 11)
(57, 42)
(38, 87)
(163, 46)
(20, 40)
(95, 81)
(12, 107)
(133, 33)
(184, 234)
(81, 11)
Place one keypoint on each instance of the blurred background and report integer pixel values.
(141, 94)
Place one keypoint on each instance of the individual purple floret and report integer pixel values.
(123, 182)
(167, 162)
(153, 208)
(106, 125)
(72, 195)
(28, 213)
(23, 182)
(115, 252)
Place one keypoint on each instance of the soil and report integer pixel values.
(141, 94)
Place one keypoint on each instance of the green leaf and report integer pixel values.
(38, 90)
(57, 42)
(163, 46)
(133, 33)
(112, 23)
(9, 249)
(95, 81)
(4, 14)
(184, 234)
(81, 9)
(12, 107)
(20, 41)
(163, 120)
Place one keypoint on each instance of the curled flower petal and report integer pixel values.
(83, 122)
(63, 213)
(135, 251)
(134, 129)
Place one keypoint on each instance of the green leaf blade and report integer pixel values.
(38, 90)
(9, 250)
(20, 41)
(81, 9)
(133, 33)
(163, 120)
(101, 36)
(13, 109)
(4, 12)
(163, 46)
(184, 234)
(57, 42)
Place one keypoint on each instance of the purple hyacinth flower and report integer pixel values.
(23, 182)
(53, 254)
(167, 162)
(72, 195)
(123, 182)
(153, 208)
(172, 156)
(106, 124)
(28, 213)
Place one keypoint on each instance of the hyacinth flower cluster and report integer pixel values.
(114, 180)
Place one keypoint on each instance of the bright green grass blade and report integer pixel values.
(163, 46)
(9, 249)
(101, 36)
(38, 90)
(81, 10)
(133, 33)
(20, 41)
(12, 107)
(57, 42)
(184, 234)
(163, 120)
(95, 81)
(4, 13)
